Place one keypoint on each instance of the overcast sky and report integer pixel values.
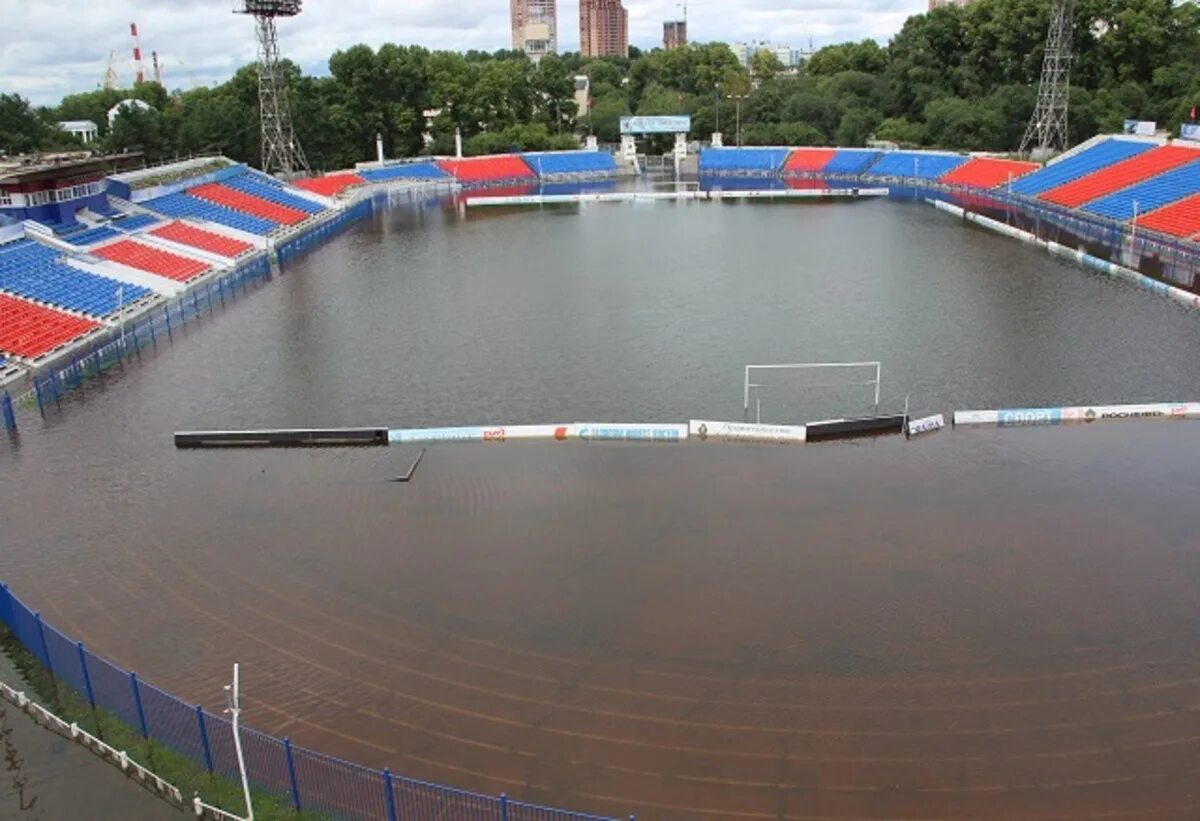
(49, 48)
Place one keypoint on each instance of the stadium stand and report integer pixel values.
(985, 172)
(183, 206)
(33, 271)
(1079, 165)
(407, 171)
(1150, 195)
(204, 240)
(917, 165)
(248, 204)
(742, 160)
(806, 183)
(852, 161)
(487, 169)
(1131, 171)
(501, 191)
(135, 222)
(30, 331)
(254, 186)
(550, 164)
(91, 236)
(808, 160)
(578, 187)
(153, 260)
(331, 185)
(1179, 219)
(731, 184)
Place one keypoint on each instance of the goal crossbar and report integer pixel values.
(748, 385)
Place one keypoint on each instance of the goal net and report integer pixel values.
(799, 393)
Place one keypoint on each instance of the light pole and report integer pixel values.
(737, 98)
(718, 102)
(235, 711)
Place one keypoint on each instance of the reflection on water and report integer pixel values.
(976, 624)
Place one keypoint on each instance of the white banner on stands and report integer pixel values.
(927, 425)
(739, 432)
(1041, 417)
(1190, 131)
(630, 432)
(499, 433)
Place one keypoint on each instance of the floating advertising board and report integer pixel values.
(1042, 417)
(656, 125)
(738, 432)
(497, 433)
(929, 424)
(1142, 128)
(630, 432)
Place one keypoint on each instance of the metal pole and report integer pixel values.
(878, 379)
(1133, 228)
(235, 712)
(121, 311)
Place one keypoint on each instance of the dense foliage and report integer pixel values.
(961, 78)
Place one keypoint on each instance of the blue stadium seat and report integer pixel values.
(182, 206)
(406, 171)
(552, 163)
(254, 186)
(135, 222)
(91, 236)
(34, 271)
(915, 165)
(580, 187)
(1086, 162)
(1150, 195)
(851, 161)
(757, 161)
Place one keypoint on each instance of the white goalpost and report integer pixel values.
(753, 386)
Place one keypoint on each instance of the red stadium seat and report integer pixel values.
(204, 240)
(29, 330)
(331, 185)
(1121, 175)
(155, 261)
(248, 204)
(984, 172)
(808, 160)
(1179, 219)
(488, 169)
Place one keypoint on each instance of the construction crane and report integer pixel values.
(1048, 132)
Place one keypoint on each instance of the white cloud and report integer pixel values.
(49, 48)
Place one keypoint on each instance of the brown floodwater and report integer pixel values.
(977, 624)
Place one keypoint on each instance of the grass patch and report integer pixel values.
(166, 763)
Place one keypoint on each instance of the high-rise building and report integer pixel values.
(603, 28)
(674, 34)
(535, 27)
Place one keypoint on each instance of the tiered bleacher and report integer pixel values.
(330, 185)
(138, 255)
(809, 160)
(1179, 219)
(135, 222)
(573, 163)
(185, 234)
(488, 170)
(33, 271)
(184, 206)
(31, 331)
(1079, 165)
(849, 161)
(1150, 195)
(987, 172)
(223, 195)
(1131, 171)
(91, 236)
(405, 171)
(749, 161)
(917, 165)
(254, 185)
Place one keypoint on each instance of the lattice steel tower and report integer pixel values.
(1047, 131)
(281, 150)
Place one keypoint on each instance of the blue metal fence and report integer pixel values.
(306, 779)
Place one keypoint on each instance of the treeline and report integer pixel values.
(960, 78)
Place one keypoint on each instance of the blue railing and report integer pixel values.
(308, 780)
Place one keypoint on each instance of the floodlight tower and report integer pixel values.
(1047, 131)
(281, 150)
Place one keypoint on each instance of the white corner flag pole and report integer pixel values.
(235, 711)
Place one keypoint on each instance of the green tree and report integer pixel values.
(21, 129)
